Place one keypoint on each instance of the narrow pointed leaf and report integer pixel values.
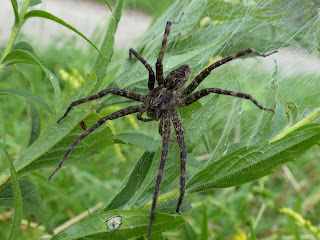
(15, 228)
(250, 163)
(15, 10)
(106, 49)
(132, 183)
(108, 4)
(23, 56)
(44, 14)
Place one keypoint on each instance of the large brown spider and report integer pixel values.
(161, 103)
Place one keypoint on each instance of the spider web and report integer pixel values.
(208, 31)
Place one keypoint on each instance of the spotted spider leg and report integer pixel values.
(183, 157)
(164, 155)
(204, 73)
(117, 114)
(204, 92)
(139, 117)
(159, 65)
(147, 65)
(114, 91)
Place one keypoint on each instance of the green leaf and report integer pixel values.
(291, 110)
(23, 56)
(54, 82)
(198, 121)
(44, 14)
(15, 10)
(33, 3)
(29, 97)
(143, 195)
(35, 124)
(15, 228)
(108, 4)
(5, 74)
(54, 132)
(106, 49)
(132, 183)
(93, 144)
(204, 225)
(31, 200)
(264, 123)
(139, 139)
(188, 232)
(135, 223)
(250, 163)
(23, 46)
(232, 120)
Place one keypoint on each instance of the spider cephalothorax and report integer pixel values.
(164, 99)
(161, 103)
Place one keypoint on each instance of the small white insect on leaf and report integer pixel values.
(114, 222)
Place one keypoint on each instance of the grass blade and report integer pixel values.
(15, 228)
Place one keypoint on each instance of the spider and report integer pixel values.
(161, 103)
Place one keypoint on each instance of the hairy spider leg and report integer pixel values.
(147, 65)
(204, 92)
(203, 74)
(117, 114)
(139, 116)
(114, 91)
(159, 65)
(164, 156)
(160, 127)
(183, 157)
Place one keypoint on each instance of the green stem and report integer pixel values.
(15, 32)
(310, 118)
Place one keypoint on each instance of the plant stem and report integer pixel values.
(14, 33)
(308, 119)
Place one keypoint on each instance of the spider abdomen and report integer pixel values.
(178, 77)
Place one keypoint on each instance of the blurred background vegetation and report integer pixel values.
(239, 213)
